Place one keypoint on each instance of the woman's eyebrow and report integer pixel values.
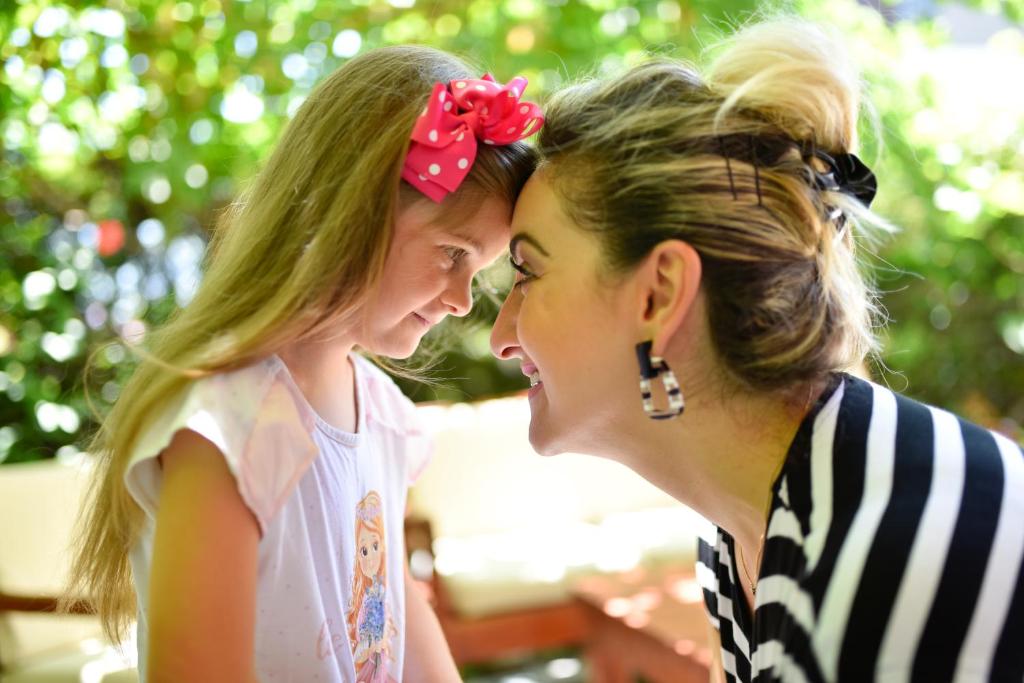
(525, 237)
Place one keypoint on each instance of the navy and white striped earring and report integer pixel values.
(651, 367)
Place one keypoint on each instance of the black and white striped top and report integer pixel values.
(894, 552)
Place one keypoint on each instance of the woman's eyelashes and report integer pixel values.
(525, 274)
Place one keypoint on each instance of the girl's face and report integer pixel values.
(368, 551)
(569, 328)
(435, 253)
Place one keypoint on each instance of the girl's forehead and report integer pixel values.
(473, 219)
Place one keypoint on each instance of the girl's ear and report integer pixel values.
(668, 280)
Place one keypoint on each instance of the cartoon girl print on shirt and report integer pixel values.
(369, 624)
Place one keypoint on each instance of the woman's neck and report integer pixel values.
(721, 457)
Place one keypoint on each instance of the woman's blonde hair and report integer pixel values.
(722, 162)
(295, 257)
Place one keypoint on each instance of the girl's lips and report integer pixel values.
(421, 320)
(535, 389)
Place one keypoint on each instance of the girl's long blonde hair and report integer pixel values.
(295, 257)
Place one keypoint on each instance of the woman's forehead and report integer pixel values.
(541, 221)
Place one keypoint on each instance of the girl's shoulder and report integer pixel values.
(386, 405)
(388, 410)
(257, 419)
(237, 402)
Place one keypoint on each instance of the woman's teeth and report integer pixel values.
(534, 378)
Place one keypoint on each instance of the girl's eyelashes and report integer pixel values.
(454, 254)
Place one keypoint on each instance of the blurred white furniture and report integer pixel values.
(39, 504)
(513, 532)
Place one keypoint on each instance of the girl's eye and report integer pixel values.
(364, 551)
(454, 254)
(375, 546)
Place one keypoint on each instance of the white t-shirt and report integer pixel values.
(330, 603)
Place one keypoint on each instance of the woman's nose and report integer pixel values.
(504, 339)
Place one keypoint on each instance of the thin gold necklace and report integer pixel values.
(757, 563)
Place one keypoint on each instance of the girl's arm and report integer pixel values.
(202, 591)
(427, 657)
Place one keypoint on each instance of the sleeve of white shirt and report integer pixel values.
(256, 422)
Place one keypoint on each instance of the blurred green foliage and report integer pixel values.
(126, 126)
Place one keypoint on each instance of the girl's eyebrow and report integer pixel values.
(474, 246)
(529, 239)
(465, 239)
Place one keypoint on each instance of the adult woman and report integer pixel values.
(708, 226)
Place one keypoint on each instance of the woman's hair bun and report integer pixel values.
(796, 74)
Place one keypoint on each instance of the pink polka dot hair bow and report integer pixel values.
(444, 139)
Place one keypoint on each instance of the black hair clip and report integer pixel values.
(846, 174)
(755, 162)
(728, 166)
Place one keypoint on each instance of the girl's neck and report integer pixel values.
(324, 373)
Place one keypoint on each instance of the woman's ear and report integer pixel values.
(668, 283)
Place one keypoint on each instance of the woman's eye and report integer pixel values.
(523, 275)
(364, 551)
(375, 546)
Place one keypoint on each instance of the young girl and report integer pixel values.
(252, 476)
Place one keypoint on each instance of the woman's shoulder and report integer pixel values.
(909, 436)
(911, 478)
(909, 533)
(888, 467)
(926, 504)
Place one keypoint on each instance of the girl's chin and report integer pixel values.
(398, 345)
(401, 354)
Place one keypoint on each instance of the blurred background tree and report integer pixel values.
(125, 126)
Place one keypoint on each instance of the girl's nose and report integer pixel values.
(458, 298)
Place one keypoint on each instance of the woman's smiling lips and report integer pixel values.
(530, 370)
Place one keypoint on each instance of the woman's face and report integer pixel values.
(436, 251)
(572, 330)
